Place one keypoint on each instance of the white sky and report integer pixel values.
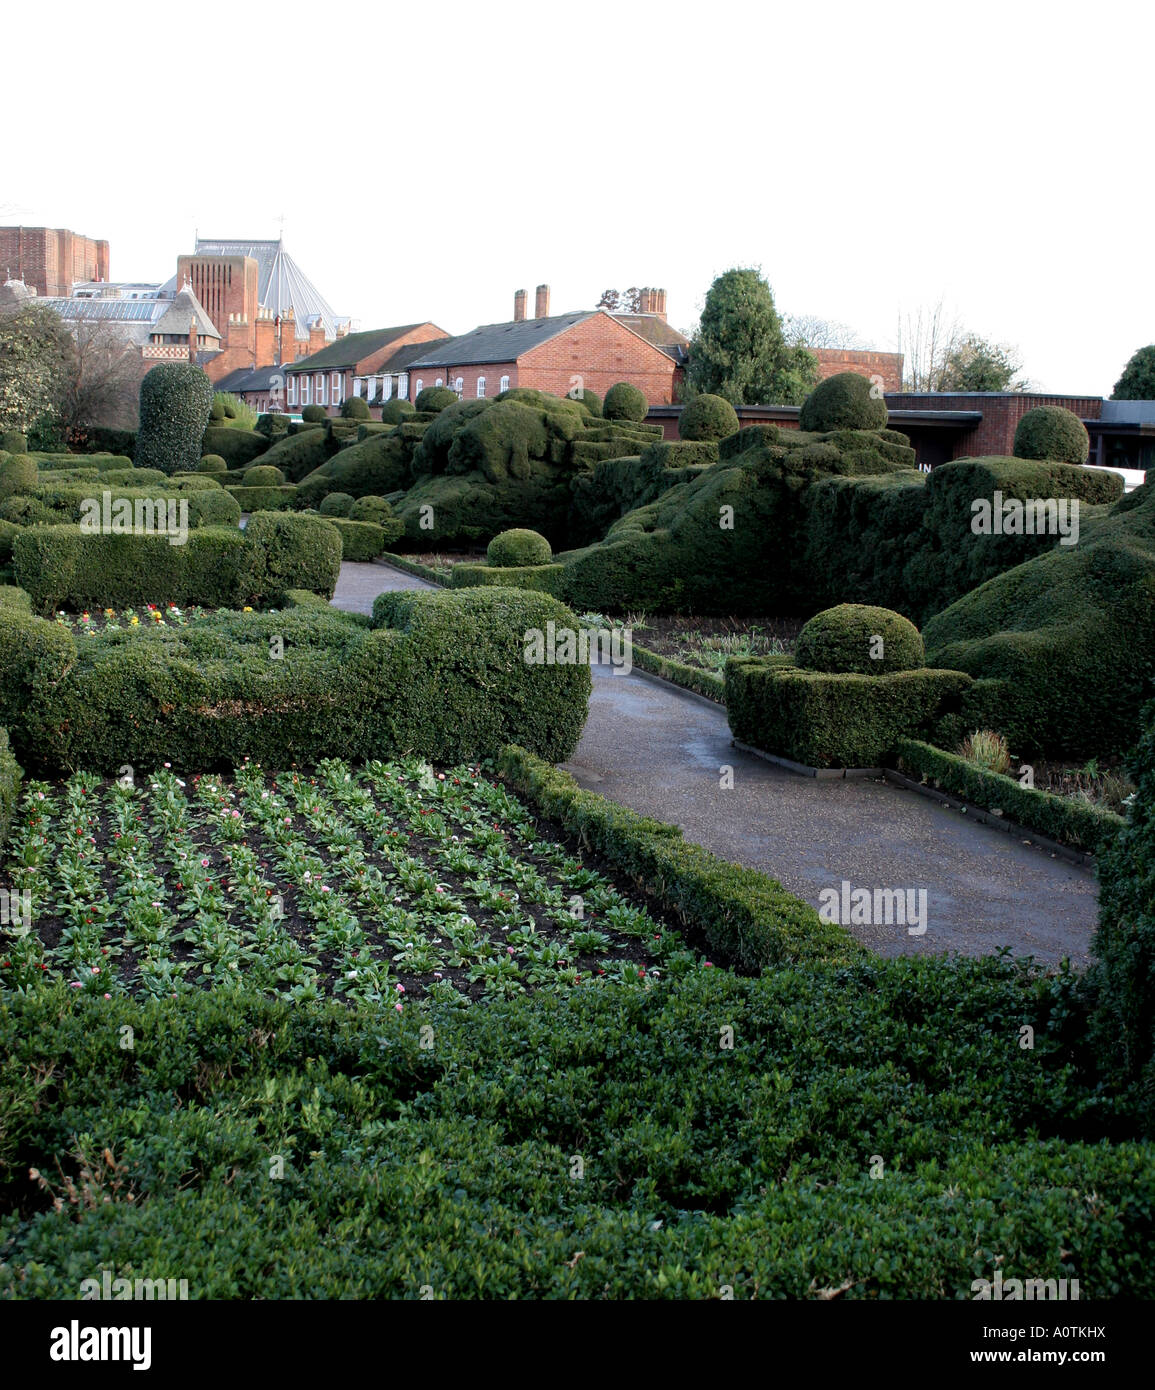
(871, 158)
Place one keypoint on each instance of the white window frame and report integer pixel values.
(337, 390)
(386, 389)
(481, 388)
(357, 386)
(504, 384)
(403, 386)
(306, 390)
(418, 386)
(291, 397)
(321, 393)
(440, 381)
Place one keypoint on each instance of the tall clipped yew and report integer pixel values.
(175, 401)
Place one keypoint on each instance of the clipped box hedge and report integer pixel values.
(10, 775)
(1062, 818)
(264, 499)
(742, 914)
(206, 506)
(362, 540)
(238, 448)
(288, 552)
(546, 579)
(833, 720)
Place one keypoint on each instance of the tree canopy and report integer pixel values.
(1138, 380)
(974, 364)
(36, 351)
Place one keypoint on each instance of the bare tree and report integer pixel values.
(102, 386)
(928, 341)
(621, 301)
(805, 330)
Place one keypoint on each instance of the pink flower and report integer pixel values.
(397, 1007)
(204, 863)
(400, 989)
(96, 969)
(510, 950)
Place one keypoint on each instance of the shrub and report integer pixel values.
(13, 442)
(360, 540)
(858, 638)
(35, 656)
(10, 775)
(297, 455)
(377, 465)
(589, 401)
(843, 402)
(987, 750)
(212, 463)
(1050, 432)
(175, 400)
(707, 417)
(273, 424)
(518, 547)
(394, 411)
(18, 475)
(237, 447)
(546, 579)
(336, 504)
(102, 439)
(289, 552)
(834, 720)
(370, 508)
(435, 398)
(625, 402)
(8, 533)
(217, 409)
(265, 499)
(354, 408)
(315, 414)
(264, 475)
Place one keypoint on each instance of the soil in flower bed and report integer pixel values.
(1102, 781)
(443, 561)
(708, 643)
(379, 885)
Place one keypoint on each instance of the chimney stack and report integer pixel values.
(653, 301)
(519, 306)
(541, 305)
(192, 340)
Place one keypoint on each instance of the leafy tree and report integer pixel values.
(35, 351)
(977, 365)
(740, 352)
(621, 301)
(1138, 380)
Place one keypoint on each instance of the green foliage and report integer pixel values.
(8, 533)
(360, 540)
(273, 424)
(547, 579)
(861, 639)
(1063, 818)
(314, 415)
(740, 352)
(625, 402)
(1123, 976)
(35, 656)
(18, 475)
(37, 353)
(10, 775)
(354, 408)
(435, 398)
(589, 401)
(283, 498)
(517, 547)
(47, 435)
(1050, 432)
(101, 439)
(336, 504)
(707, 417)
(834, 720)
(1137, 382)
(212, 463)
(298, 455)
(264, 475)
(238, 447)
(977, 365)
(13, 442)
(374, 509)
(377, 465)
(175, 400)
(843, 402)
(288, 552)
(394, 411)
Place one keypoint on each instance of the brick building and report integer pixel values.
(887, 365)
(373, 364)
(51, 260)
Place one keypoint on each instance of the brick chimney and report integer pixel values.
(192, 340)
(519, 306)
(541, 302)
(653, 302)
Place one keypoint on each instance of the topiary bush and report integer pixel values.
(314, 414)
(518, 547)
(264, 475)
(217, 409)
(354, 408)
(707, 417)
(395, 410)
(859, 638)
(1050, 432)
(625, 402)
(212, 463)
(370, 508)
(273, 424)
(589, 401)
(435, 398)
(336, 504)
(298, 455)
(18, 475)
(847, 401)
(13, 442)
(360, 540)
(288, 552)
(237, 447)
(175, 401)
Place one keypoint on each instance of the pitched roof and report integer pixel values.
(352, 348)
(247, 379)
(405, 356)
(281, 283)
(656, 331)
(180, 315)
(499, 342)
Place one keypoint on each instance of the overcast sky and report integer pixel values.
(429, 161)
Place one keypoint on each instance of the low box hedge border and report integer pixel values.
(546, 579)
(10, 776)
(1070, 822)
(415, 568)
(678, 673)
(743, 915)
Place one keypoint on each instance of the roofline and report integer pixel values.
(578, 315)
(302, 363)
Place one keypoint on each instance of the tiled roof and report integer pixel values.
(353, 348)
(498, 342)
(658, 332)
(181, 313)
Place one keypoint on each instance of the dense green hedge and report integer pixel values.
(263, 475)
(679, 673)
(681, 453)
(335, 504)
(238, 448)
(707, 417)
(175, 400)
(354, 408)
(859, 638)
(434, 398)
(297, 455)
(1051, 432)
(69, 502)
(13, 442)
(288, 552)
(361, 540)
(840, 720)
(395, 410)
(625, 402)
(10, 775)
(845, 401)
(101, 439)
(546, 578)
(518, 547)
(314, 415)
(18, 475)
(264, 499)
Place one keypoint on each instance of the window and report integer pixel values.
(306, 388)
(459, 387)
(338, 387)
(419, 386)
(480, 388)
(322, 399)
(357, 386)
(440, 381)
(292, 390)
(403, 385)
(505, 383)
(386, 388)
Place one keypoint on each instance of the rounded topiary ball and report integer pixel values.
(589, 400)
(435, 398)
(212, 463)
(394, 411)
(625, 402)
(18, 474)
(856, 637)
(1050, 432)
(314, 414)
(513, 549)
(374, 509)
(217, 411)
(263, 475)
(707, 417)
(336, 504)
(355, 409)
(843, 402)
